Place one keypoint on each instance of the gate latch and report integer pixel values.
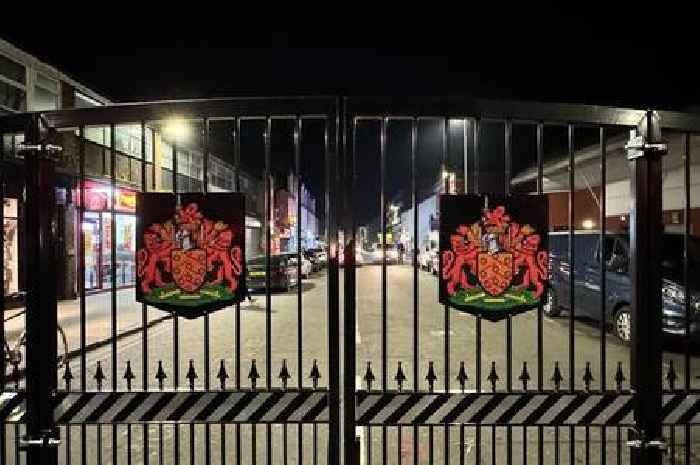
(638, 441)
(46, 438)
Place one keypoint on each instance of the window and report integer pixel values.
(12, 70)
(45, 95)
(12, 97)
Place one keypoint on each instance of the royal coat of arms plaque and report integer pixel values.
(494, 260)
(190, 251)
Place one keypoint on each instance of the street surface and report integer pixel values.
(399, 343)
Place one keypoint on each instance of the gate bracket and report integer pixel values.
(640, 442)
(47, 438)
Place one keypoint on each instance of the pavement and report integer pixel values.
(399, 343)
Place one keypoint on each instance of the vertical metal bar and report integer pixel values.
(333, 288)
(113, 268)
(207, 342)
(144, 307)
(236, 167)
(398, 446)
(572, 256)
(645, 237)
(572, 277)
(382, 222)
(222, 443)
(349, 155)
(298, 127)
(601, 254)
(268, 274)
(508, 146)
(297, 164)
(416, 244)
(81, 281)
(477, 154)
(68, 440)
(41, 306)
(686, 281)
(686, 259)
(540, 310)
(176, 329)
(587, 445)
(446, 190)
(382, 196)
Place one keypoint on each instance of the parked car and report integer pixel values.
(618, 287)
(313, 259)
(320, 255)
(392, 254)
(283, 273)
(306, 266)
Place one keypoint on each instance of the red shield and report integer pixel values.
(189, 268)
(495, 271)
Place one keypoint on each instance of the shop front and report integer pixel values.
(10, 234)
(97, 236)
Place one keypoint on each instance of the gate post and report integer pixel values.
(41, 440)
(644, 152)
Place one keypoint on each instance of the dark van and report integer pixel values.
(616, 253)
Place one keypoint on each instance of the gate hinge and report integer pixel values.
(639, 441)
(646, 138)
(46, 438)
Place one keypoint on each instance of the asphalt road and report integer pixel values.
(399, 346)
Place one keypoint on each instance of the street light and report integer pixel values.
(176, 128)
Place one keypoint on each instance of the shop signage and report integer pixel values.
(190, 251)
(494, 259)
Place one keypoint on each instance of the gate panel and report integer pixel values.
(567, 397)
(237, 385)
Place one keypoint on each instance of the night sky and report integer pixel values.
(589, 55)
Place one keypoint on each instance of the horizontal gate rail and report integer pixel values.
(576, 408)
(196, 407)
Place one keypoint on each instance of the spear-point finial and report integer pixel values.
(493, 376)
(671, 376)
(462, 376)
(588, 376)
(431, 377)
(128, 375)
(222, 375)
(369, 376)
(619, 376)
(557, 378)
(284, 374)
(67, 376)
(315, 374)
(160, 375)
(400, 377)
(191, 375)
(524, 376)
(99, 376)
(253, 375)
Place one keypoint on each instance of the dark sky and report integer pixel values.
(592, 54)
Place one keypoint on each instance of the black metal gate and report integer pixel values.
(262, 381)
